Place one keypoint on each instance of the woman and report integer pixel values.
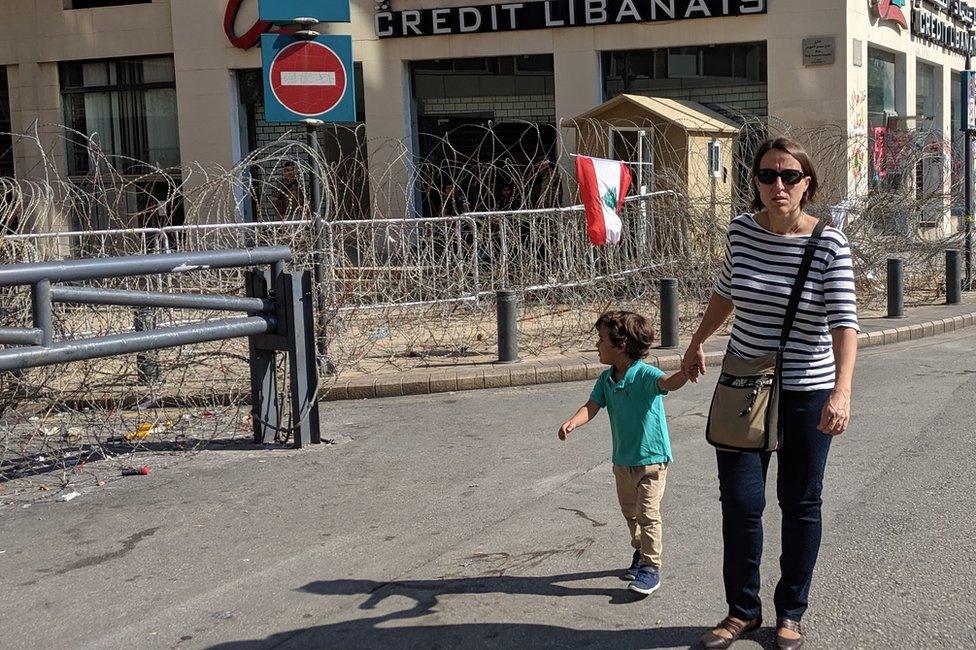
(763, 253)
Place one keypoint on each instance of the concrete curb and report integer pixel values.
(530, 373)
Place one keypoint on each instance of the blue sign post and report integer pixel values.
(284, 12)
(309, 78)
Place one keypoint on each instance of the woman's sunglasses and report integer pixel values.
(789, 176)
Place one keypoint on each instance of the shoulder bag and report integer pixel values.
(744, 415)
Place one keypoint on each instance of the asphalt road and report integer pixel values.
(460, 521)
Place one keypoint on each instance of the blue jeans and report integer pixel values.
(742, 485)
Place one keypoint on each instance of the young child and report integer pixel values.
(633, 393)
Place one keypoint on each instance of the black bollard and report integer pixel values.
(669, 312)
(896, 302)
(953, 277)
(507, 312)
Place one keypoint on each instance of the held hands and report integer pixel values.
(836, 413)
(693, 363)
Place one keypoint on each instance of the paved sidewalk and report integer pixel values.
(918, 322)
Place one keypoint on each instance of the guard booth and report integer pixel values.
(669, 144)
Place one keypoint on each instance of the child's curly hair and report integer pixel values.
(628, 330)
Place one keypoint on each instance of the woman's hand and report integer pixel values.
(836, 413)
(693, 363)
(565, 429)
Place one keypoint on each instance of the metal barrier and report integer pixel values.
(279, 318)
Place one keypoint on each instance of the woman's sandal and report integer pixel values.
(786, 643)
(712, 641)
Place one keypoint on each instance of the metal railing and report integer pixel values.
(278, 308)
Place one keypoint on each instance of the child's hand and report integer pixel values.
(565, 429)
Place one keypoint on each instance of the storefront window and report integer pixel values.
(730, 79)
(928, 169)
(881, 84)
(473, 112)
(882, 113)
(925, 90)
(127, 107)
(958, 148)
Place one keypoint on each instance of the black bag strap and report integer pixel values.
(801, 278)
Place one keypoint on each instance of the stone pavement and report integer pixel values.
(918, 322)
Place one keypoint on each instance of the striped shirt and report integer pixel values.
(758, 276)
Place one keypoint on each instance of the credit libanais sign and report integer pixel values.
(550, 14)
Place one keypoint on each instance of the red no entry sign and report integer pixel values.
(308, 78)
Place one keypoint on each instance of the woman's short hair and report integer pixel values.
(628, 330)
(796, 150)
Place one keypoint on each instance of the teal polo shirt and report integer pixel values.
(635, 406)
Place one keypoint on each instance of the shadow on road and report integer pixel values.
(384, 631)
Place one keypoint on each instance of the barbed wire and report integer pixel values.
(414, 249)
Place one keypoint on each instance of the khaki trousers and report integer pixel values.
(639, 490)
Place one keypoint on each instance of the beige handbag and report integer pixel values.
(744, 415)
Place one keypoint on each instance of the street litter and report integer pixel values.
(69, 496)
(143, 431)
(135, 471)
(381, 333)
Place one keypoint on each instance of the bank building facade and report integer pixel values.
(174, 81)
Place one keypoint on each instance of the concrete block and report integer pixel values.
(522, 375)
(714, 358)
(890, 336)
(915, 332)
(939, 327)
(548, 373)
(669, 361)
(361, 388)
(335, 393)
(904, 334)
(389, 387)
(470, 379)
(416, 385)
(968, 319)
(928, 329)
(573, 371)
(444, 382)
(950, 324)
(498, 377)
(594, 368)
(875, 338)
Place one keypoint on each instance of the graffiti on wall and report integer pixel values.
(858, 155)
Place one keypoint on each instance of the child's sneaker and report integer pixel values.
(646, 581)
(631, 573)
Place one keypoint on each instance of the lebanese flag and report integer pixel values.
(603, 186)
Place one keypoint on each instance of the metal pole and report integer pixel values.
(117, 267)
(147, 363)
(507, 311)
(42, 311)
(896, 305)
(968, 282)
(320, 208)
(953, 269)
(669, 312)
(131, 342)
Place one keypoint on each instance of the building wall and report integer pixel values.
(38, 34)
(909, 49)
